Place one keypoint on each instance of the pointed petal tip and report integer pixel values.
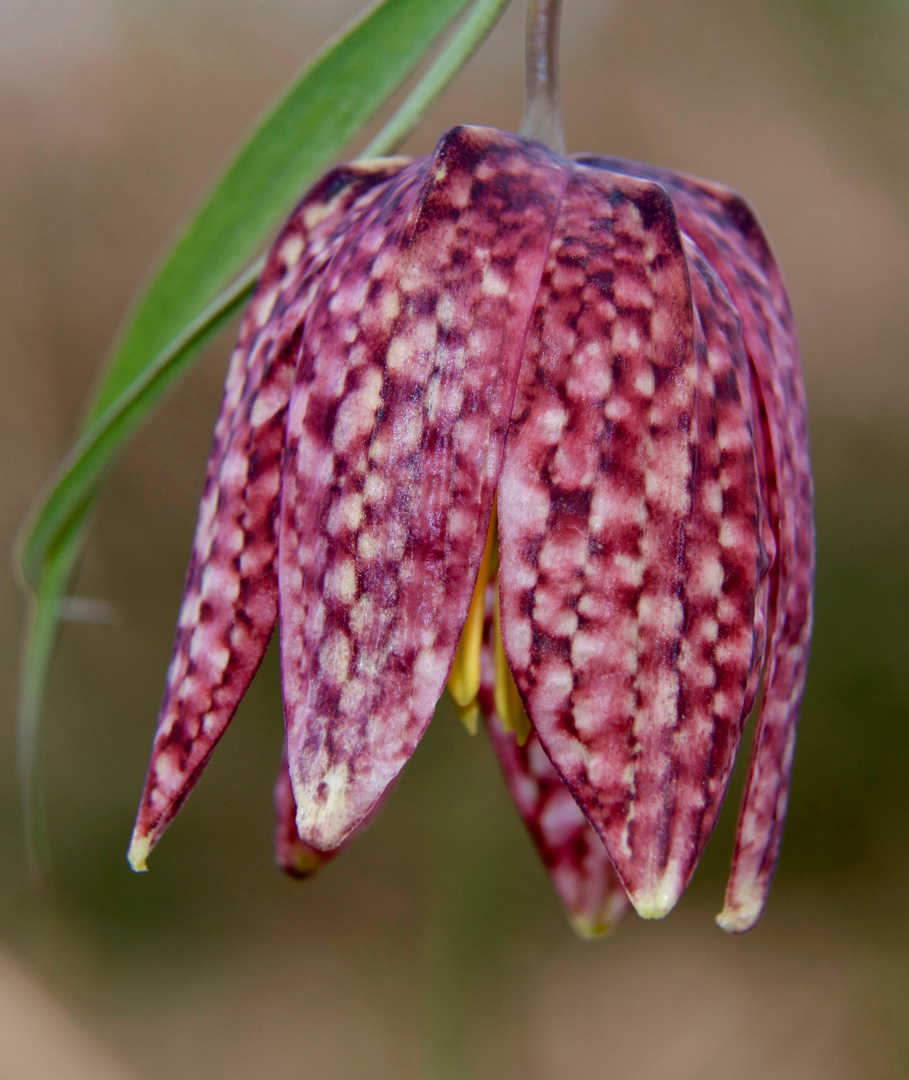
(302, 863)
(659, 899)
(589, 929)
(736, 921)
(739, 916)
(326, 826)
(137, 856)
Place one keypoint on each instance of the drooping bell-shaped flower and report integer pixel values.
(605, 351)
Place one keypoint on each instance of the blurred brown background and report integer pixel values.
(434, 948)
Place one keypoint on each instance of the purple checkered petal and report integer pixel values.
(395, 432)
(725, 228)
(627, 578)
(229, 604)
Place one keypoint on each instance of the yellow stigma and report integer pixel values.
(464, 680)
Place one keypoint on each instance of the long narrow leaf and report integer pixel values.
(37, 645)
(76, 479)
(477, 26)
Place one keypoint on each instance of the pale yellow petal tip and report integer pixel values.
(304, 862)
(326, 825)
(588, 929)
(657, 902)
(138, 853)
(739, 918)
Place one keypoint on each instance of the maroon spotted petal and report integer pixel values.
(724, 226)
(395, 433)
(628, 580)
(229, 605)
(581, 872)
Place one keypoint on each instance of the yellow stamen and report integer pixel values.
(509, 706)
(469, 715)
(464, 680)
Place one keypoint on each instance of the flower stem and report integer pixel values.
(543, 108)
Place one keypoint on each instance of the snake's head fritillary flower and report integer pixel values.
(533, 427)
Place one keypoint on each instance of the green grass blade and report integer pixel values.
(332, 99)
(477, 26)
(336, 95)
(77, 478)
